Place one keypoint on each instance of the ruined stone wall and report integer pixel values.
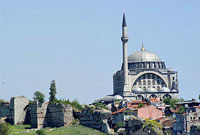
(134, 126)
(5, 110)
(195, 129)
(18, 109)
(50, 115)
(37, 115)
(59, 115)
(97, 119)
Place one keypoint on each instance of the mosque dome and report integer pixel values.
(143, 56)
(138, 89)
(118, 97)
(151, 90)
(164, 89)
(174, 90)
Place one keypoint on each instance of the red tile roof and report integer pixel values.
(121, 110)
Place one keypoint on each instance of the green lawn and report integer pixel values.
(68, 130)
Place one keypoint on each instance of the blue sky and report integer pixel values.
(77, 43)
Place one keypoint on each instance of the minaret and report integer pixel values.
(124, 39)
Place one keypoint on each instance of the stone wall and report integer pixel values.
(50, 115)
(59, 115)
(5, 110)
(97, 119)
(18, 107)
(195, 129)
(134, 126)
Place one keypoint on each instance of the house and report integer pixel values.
(150, 112)
(134, 104)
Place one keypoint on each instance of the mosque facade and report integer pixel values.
(143, 74)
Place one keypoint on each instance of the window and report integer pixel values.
(153, 82)
(193, 118)
(149, 82)
(144, 88)
(158, 88)
(199, 118)
(140, 83)
(144, 82)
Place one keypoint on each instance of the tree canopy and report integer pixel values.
(38, 96)
(52, 92)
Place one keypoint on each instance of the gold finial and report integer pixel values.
(142, 49)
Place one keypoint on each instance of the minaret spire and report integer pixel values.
(124, 20)
(124, 39)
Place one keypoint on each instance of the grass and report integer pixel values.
(68, 130)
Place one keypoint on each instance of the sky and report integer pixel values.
(77, 43)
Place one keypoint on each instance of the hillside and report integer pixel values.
(69, 130)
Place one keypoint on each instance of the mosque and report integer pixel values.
(143, 74)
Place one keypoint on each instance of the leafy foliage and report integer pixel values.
(38, 96)
(2, 102)
(140, 105)
(52, 92)
(4, 129)
(100, 106)
(75, 103)
(40, 132)
(120, 124)
(181, 109)
(154, 125)
(171, 101)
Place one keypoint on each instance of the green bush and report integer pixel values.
(75, 121)
(75, 103)
(4, 129)
(40, 132)
(2, 102)
(120, 124)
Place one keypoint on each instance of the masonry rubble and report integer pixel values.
(97, 119)
(22, 111)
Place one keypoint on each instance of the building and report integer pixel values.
(143, 74)
(149, 112)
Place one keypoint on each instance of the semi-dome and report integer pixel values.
(137, 89)
(164, 89)
(151, 90)
(143, 56)
(118, 97)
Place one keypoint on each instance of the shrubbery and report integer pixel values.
(120, 124)
(153, 125)
(4, 129)
(2, 102)
(75, 103)
(40, 132)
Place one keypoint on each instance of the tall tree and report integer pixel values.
(52, 92)
(38, 96)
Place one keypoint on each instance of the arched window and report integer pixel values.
(140, 83)
(144, 88)
(149, 82)
(158, 82)
(158, 88)
(153, 82)
(144, 82)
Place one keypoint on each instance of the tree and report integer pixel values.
(52, 92)
(38, 96)
(171, 101)
(140, 105)
(181, 109)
